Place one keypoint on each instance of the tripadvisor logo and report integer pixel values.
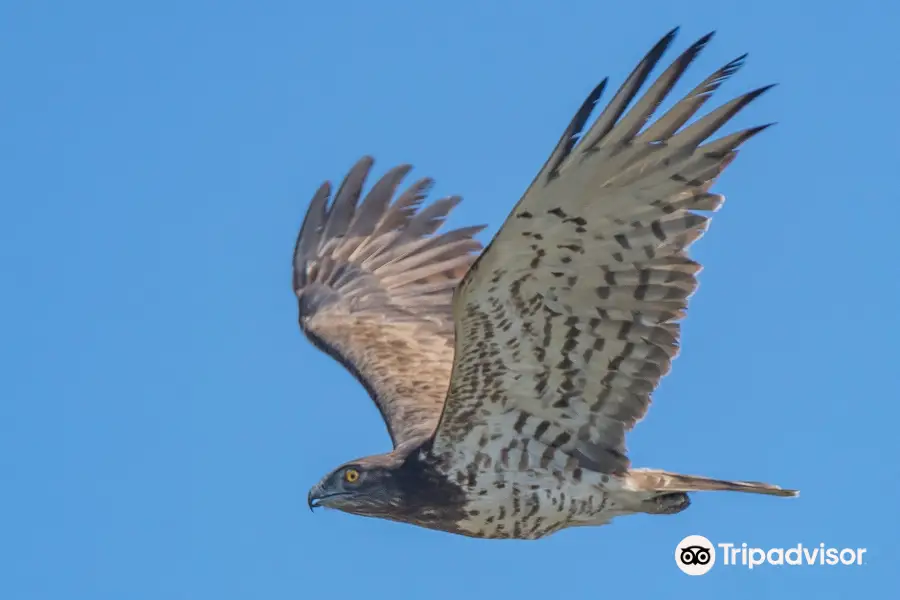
(696, 555)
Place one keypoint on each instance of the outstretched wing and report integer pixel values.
(374, 283)
(569, 319)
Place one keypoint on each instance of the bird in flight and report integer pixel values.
(509, 376)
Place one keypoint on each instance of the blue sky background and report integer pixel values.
(161, 416)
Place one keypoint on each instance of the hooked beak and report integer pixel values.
(314, 497)
(319, 496)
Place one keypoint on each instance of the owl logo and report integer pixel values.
(695, 555)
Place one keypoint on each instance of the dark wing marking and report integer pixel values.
(374, 284)
(569, 319)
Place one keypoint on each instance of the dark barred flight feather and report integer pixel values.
(509, 382)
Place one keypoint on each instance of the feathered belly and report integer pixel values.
(532, 505)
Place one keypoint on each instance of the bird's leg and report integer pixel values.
(669, 503)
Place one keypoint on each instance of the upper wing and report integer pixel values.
(374, 285)
(569, 319)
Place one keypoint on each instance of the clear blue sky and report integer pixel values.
(162, 417)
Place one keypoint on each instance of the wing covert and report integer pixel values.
(374, 284)
(570, 318)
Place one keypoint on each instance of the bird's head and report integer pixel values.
(364, 487)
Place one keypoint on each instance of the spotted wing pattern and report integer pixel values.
(570, 318)
(374, 284)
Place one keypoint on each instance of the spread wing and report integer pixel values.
(570, 318)
(374, 284)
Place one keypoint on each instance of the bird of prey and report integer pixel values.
(509, 376)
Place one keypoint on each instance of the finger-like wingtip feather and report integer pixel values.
(311, 229)
(626, 93)
(350, 248)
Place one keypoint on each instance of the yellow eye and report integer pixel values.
(351, 475)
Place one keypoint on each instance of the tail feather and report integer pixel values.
(661, 481)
